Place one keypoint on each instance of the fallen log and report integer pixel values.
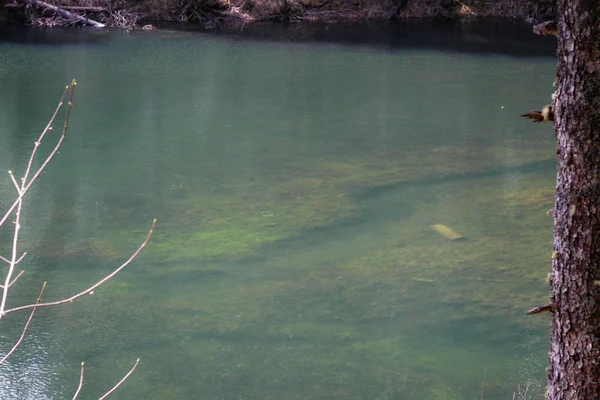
(66, 14)
(74, 8)
(84, 9)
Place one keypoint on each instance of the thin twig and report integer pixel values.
(37, 143)
(69, 106)
(48, 128)
(540, 309)
(121, 381)
(31, 181)
(80, 382)
(483, 382)
(26, 326)
(14, 280)
(14, 181)
(91, 288)
(6, 260)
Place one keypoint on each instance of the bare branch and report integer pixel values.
(546, 114)
(121, 381)
(80, 382)
(26, 326)
(14, 280)
(6, 260)
(14, 181)
(11, 265)
(94, 286)
(22, 186)
(540, 309)
(25, 189)
(25, 185)
(37, 144)
(48, 127)
(69, 106)
(483, 383)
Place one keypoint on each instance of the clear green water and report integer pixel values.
(295, 185)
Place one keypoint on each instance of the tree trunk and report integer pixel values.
(574, 371)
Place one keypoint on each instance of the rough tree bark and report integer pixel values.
(574, 370)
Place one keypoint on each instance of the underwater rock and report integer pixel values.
(447, 232)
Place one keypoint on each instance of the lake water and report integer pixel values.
(296, 174)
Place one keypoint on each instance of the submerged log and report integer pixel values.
(447, 232)
(66, 14)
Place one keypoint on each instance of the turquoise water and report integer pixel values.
(295, 186)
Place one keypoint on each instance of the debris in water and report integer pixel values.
(447, 232)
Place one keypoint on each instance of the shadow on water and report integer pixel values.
(493, 36)
(477, 36)
(342, 229)
(52, 37)
(536, 166)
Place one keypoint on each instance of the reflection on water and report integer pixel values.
(29, 373)
(296, 186)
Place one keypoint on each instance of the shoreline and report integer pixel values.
(212, 14)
